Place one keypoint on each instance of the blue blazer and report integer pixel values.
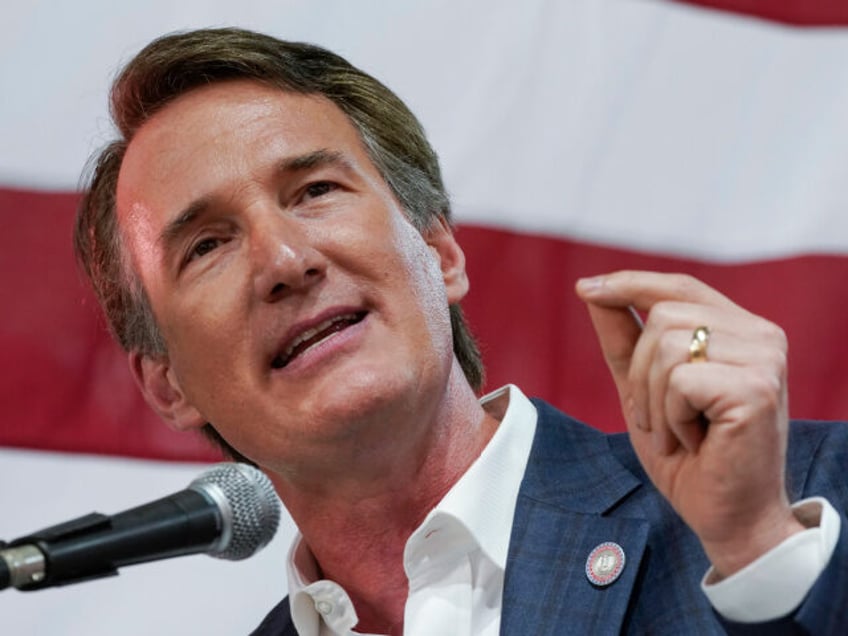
(582, 488)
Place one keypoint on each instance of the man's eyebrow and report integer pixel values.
(315, 159)
(174, 228)
(308, 161)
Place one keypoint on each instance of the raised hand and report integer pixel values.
(709, 429)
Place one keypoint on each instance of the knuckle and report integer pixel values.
(773, 334)
(669, 350)
(766, 389)
(778, 361)
(779, 336)
(660, 315)
(685, 285)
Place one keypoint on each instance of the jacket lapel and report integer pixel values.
(572, 480)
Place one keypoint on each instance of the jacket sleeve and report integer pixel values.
(816, 466)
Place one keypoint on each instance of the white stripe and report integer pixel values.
(643, 124)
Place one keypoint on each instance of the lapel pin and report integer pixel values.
(605, 564)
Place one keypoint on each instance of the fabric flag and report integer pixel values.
(576, 138)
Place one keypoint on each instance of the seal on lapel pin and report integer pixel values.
(605, 564)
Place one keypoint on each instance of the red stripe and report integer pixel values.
(793, 12)
(64, 384)
(537, 334)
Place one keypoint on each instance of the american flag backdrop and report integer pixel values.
(576, 137)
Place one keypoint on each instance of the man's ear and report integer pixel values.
(161, 389)
(441, 240)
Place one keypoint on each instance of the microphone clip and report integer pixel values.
(27, 559)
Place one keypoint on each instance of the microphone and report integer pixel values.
(229, 512)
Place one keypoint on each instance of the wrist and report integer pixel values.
(776, 584)
(749, 542)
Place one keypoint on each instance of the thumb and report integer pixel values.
(618, 330)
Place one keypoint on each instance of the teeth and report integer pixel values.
(309, 333)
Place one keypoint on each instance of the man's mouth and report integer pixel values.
(314, 335)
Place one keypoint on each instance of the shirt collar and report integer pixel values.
(482, 502)
(484, 498)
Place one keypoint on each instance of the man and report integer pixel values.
(271, 242)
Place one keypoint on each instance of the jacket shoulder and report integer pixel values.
(277, 622)
(816, 458)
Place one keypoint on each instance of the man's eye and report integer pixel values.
(319, 188)
(203, 247)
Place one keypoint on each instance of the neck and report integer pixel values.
(356, 524)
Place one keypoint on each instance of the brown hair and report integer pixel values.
(177, 63)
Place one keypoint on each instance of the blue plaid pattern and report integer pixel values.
(582, 488)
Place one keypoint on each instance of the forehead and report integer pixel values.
(237, 120)
(218, 140)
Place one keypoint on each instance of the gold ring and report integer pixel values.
(698, 346)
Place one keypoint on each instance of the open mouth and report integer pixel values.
(314, 336)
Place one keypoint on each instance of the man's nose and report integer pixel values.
(284, 258)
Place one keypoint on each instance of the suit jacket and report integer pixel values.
(582, 488)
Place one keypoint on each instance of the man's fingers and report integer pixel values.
(643, 290)
(642, 357)
(618, 332)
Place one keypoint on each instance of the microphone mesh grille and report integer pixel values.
(254, 505)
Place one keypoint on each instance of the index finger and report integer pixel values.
(643, 290)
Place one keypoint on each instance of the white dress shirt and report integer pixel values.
(455, 561)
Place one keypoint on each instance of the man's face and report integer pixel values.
(300, 308)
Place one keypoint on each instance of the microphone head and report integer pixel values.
(249, 507)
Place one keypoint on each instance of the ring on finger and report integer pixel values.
(698, 345)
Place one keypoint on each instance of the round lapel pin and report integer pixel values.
(605, 564)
